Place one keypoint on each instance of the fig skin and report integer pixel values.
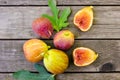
(63, 40)
(43, 27)
(84, 56)
(34, 50)
(56, 61)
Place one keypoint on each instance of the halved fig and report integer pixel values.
(84, 56)
(83, 19)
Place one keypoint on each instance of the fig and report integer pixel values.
(63, 40)
(83, 19)
(56, 61)
(43, 27)
(34, 50)
(84, 56)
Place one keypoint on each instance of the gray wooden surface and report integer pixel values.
(12, 58)
(60, 2)
(76, 76)
(16, 17)
(18, 20)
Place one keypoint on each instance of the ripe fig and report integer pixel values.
(34, 50)
(63, 40)
(56, 61)
(84, 56)
(43, 27)
(83, 19)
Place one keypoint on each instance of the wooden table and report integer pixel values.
(16, 17)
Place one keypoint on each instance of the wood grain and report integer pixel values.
(12, 58)
(16, 22)
(60, 2)
(16, 17)
(76, 76)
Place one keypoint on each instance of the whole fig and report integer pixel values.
(43, 27)
(34, 50)
(63, 40)
(56, 61)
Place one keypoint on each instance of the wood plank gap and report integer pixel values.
(95, 72)
(47, 5)
(22, 39)
(68, 72)
(23, 5)
(99, 39)
(75, 39)
(13, 72)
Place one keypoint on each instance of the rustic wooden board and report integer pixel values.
(60, 2)
(12, 58)
(16, 22)
(76, 76)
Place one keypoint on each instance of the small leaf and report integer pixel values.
(52, 77)
(64, 16)
(52, 20)
(58, 21)
(54, 9)
(55, 12)
(49, 17)
(65, 24)
(26, 75)
(40, 69)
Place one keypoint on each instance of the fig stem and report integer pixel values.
(53, 75)
(49, 47)
(56, 28)
(91, 6)
(41, 54)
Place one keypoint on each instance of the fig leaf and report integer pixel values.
(58, 21)
(27, 75)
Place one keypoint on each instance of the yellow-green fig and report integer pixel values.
(56, 61)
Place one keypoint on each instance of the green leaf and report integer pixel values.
(52, 20)
(26, 75)
(54, 9)
(64, 25)
(64, 14)
(63, 18)
(40, 69)
(52, 5)
(58, 21)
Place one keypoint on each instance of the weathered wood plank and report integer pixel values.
(16, 22)
(12, 58)
(76, 76)
(60, 2)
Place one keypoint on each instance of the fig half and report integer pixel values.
(83, 19)
(84, 56)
